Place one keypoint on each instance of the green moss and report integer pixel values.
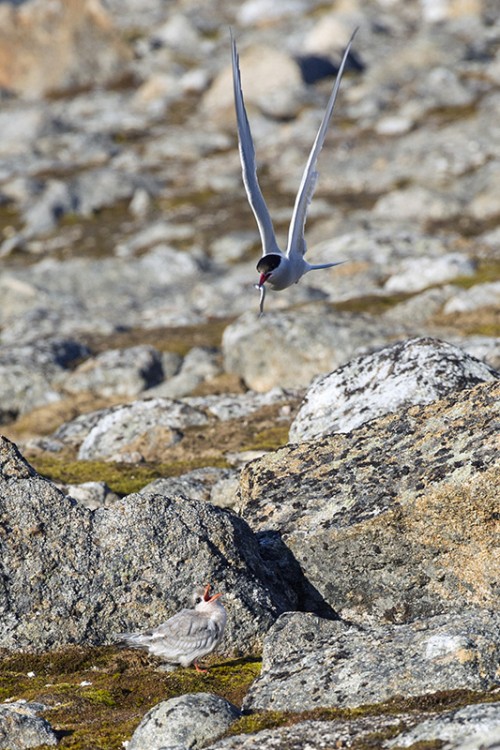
(371, 303)
(123, 479)
(178, 339)
(376, 740)
(124, 685)
(486, 271)
(433, 703)
(269, 439)
(103, 697)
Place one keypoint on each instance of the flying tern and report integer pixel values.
(188, 635)
(280, 270)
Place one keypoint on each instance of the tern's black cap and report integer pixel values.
(269, 262)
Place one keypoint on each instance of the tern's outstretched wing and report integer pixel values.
(296, 243)
(248, 166)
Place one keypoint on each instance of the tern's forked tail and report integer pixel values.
(317, 267)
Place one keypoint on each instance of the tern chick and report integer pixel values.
(187, 636)
(280, 270)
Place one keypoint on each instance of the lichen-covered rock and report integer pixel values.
(70, 575)
(417, 371)
(189, 721)
(310, 662)
(397, 519)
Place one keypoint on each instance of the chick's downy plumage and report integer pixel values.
(189, 635)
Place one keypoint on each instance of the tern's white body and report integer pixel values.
(280, 270)
(188, 636)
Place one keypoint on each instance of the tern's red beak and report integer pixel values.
(214, 597)
(263, 278)
(206, 594)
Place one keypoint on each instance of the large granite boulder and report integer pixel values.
(397, 519)
(71, 575)
(311, 662)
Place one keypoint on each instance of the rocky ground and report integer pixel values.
(332, 467)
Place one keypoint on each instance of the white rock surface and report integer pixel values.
(118, 432)
(417, 371)
(478, 296)
(415, 274)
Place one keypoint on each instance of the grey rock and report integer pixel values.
(199, 364)
(476, 726)
(485, 205)
(43, 215)
(73, 296)
(155, 233)
(412, 372)
(190, 721)
(256, 12)
(31, 374)
(416, 204)
(124, 568)
(419, 309)
(488, 740)
(20, 127)
(195, 485)
(297, 346)
(21, 728)
(224, 493)
(486, 348)
(309, 662)
(177, 31)
(370, 253)
(311, 734)
(84, 195)
(238, 405)
(271, 80)
(478, 296)
(123, 430)
(118, 372)
(91, 495)
(415, 274)
(232, 247)
(379, 519)
(171, 362)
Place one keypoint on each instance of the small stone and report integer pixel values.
(191, 721)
